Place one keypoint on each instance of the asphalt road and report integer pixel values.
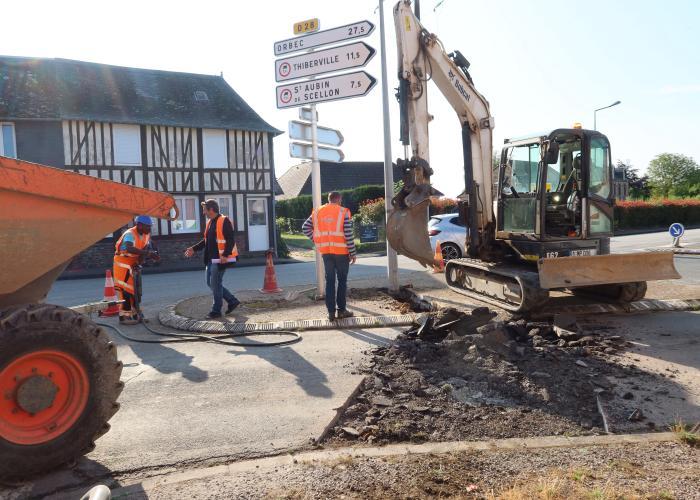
(163, 289)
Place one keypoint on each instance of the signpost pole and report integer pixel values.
(392, 262)
(316, 193)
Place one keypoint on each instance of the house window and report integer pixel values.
(225, 204)
(127, 144)
(188, 220)
(214, 145)
(8, 146)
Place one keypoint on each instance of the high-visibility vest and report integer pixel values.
(220, 239)
(329, 234)
(140, 242)
(124, 260)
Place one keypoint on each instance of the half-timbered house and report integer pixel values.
(188, 134)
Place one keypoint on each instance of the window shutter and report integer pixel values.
(127, 144)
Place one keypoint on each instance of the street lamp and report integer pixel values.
(604, 107)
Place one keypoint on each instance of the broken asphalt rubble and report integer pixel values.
(459, 375)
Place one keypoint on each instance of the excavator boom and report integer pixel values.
(422, 58)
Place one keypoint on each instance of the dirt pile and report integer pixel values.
(465, 376)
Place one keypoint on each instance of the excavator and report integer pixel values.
(541, 221)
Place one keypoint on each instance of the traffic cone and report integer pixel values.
(439, 266)
(110, 296)
(270, 283)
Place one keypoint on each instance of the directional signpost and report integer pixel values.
(315, 90)
(332, 88)
(353, 55)
(326, 37)
(304, 151)
(302, 131)
(306, 114)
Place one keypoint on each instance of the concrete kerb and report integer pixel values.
(169, 317)
(311, 457)
(646, 305)
(677, 251)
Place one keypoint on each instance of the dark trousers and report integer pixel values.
(215, 281)
(336, 265)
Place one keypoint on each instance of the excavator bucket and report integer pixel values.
(407, 233)
(574, 272)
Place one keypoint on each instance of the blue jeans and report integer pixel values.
(215, 281)
(336, 265)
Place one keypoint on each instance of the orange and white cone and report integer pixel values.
(439, 266)
(110, 296)
(270, 283)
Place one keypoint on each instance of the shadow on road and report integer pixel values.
(368, 337)
(168, 360)
(308, 376)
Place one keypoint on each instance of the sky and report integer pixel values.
(541, 64)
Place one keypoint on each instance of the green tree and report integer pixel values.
(674, 175)
(639, 186)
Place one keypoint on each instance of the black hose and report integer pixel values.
(219, 338)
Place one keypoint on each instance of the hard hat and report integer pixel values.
(144, 219)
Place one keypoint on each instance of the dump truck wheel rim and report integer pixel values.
(42, 394)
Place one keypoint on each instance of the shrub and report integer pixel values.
(372, 211)
(442, 206)
(282, 248)
(301, 206)
(656, 213)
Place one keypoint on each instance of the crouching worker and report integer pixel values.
(220, 251)
(330, 228)
(131, 250)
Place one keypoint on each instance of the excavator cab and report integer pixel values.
(555, 195)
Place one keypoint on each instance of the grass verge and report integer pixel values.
(686, 434)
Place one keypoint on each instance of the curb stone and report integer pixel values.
(647, 305)
(512, 444)
(677, 251)
(168, 317)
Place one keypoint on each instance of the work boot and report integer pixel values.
(214, 315)
(232, 306)
(331, 317)
(128, 320)
(345, 314)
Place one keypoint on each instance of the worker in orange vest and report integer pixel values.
(132, 248)
(330, 228)
(220, 252)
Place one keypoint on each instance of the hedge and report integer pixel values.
(300, 207)
(656, 213)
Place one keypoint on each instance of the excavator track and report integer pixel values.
(508, 287)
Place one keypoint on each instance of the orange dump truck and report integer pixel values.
(59, 372)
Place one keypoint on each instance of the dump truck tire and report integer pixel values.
(59, 384)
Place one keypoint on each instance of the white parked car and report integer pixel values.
(452, 234)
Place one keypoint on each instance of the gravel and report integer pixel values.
(667, 470)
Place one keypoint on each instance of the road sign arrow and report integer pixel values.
(331, 88)
(353, 55)
(303, 151)
(340, 34)
(302, 131)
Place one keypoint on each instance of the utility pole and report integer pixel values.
(316, 194)
(392, 261)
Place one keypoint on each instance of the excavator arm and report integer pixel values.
(422, 58)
